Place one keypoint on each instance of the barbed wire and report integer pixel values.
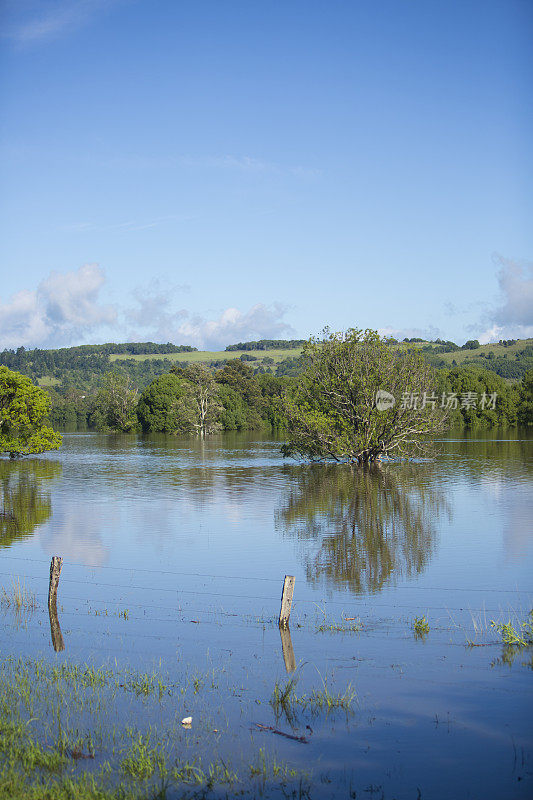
(233, 577)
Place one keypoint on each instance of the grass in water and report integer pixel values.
(346, 626)
(515, 637)
(143, 758)
(61, 737)
(18, 597)
(420, 627)
(286, 702)
(266, 768)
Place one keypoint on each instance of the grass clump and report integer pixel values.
(145, 684)
(143, 758)
(267, 768)
(420, 627)
(18, 597)
(325, 699)
(515, 637)
(285, 701)
(346, 626)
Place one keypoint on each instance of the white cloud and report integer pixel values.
(64, 307)
(153, 316)
(259, 322)
(27, 21)
(512, 317)
(428, 334)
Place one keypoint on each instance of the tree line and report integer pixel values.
(354, 398)
(268, 344)
(193, 399)
(245, 394)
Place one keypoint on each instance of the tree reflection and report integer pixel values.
(371, 525)
(23, 503)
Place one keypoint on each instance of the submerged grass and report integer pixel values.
(521, 636)
(143, 757)
(285, 701)
(347, 625)
(60, 737)
(420, 627)
(18, 597)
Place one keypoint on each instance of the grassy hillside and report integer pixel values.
(481, 355)
(482, 352)
(83, 367)
(208, 356)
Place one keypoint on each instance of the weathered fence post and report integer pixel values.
(55, 572)
(55, 629)
(286, 601)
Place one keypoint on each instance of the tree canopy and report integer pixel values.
(525, 399)
(160, 408)
(24, 411)
(332, 412)
(115, 405)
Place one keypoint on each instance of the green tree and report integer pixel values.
(241, 378)
(483, 399)
(161, 406)
(525, 399)
(24, 412)
(332, 412)
(200, 406)
(115, 404)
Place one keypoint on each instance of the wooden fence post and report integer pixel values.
(55, 629)
(55, 572)
(286, 601)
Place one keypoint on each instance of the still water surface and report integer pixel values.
(192, 539)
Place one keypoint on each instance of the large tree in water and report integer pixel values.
(359, 398)
(24, 411)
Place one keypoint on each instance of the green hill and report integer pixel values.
(82, 367)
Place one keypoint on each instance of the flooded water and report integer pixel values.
(174, 554)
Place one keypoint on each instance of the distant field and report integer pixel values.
(47, 380)
(202, 356)
(497, 349)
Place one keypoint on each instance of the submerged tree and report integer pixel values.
(160, 408)
(200, 406)
(359, 399)
(24, 412)
(115, 404)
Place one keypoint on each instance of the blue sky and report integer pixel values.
(207, 172)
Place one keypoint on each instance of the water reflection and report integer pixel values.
(25, 504)
(371, 526)
(287, 650)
